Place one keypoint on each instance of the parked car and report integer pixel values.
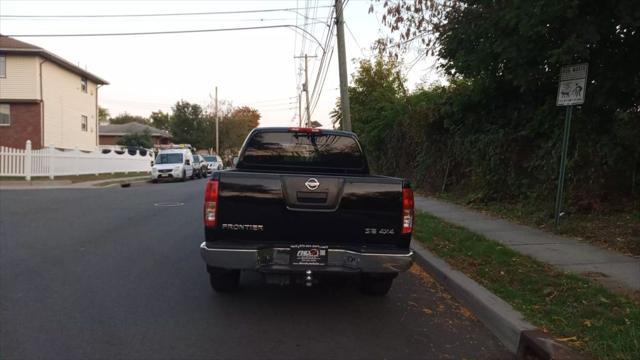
(299, 204)
(172, 164)
(200, 167)
(214, 162)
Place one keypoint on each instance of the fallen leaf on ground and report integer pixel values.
(572, 338)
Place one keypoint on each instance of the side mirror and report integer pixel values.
(187, 162)
(235, 160)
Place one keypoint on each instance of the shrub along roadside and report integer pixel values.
(576, 311)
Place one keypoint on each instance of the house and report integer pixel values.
(45, 99)
(111, 134)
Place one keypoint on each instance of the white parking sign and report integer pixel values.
(573, 85)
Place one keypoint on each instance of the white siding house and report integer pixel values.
(46, 99)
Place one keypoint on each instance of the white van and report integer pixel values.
(173, 164)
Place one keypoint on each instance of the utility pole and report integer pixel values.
(216, 115)
(305, 87)
(300, 110)
(342, 69)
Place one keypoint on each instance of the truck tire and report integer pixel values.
(223, 280)
(184, 176)
(376, 284)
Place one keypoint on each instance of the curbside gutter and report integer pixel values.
(34, 183)
(68, 184)
(519, 336)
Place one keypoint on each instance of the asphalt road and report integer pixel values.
(106, 273)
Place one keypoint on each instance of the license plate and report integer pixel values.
(308, 255)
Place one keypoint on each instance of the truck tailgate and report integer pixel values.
(360, 212)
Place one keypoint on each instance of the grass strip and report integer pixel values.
(576, 311)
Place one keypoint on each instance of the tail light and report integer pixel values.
(407, 210)
(304, 130)
(210, 203)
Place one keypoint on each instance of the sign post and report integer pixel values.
(571, 91)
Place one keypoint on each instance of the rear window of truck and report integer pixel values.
(304, 150)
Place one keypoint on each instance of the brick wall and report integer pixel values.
(109, 140)
(25, 125)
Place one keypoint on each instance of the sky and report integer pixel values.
(255, 68)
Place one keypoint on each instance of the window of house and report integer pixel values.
(83, 122)
(5, 115)
(3, 66)
(83, 84)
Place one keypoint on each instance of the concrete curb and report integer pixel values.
(508, 325)
(67, 184)
(117, 181)
(42, 183)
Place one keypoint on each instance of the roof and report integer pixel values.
(174, 151)
(318, 130)
(131, 128)
(9, 45)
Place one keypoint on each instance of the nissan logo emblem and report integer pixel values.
(312, 184)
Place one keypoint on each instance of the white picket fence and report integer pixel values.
(54, 162)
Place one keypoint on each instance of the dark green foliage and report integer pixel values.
(495, 129)
(160, 120)
(137, 140)
(187, 123)
(126, 118)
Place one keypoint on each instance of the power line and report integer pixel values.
(294, 27)
(324, 78)
(354, 38)
(275, 100)
(257, 19)
(323, 67)
(157, 14)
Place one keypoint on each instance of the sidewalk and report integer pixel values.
(610, 268)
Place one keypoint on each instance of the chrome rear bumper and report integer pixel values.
(277, 260)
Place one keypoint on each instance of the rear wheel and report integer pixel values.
(223, 280)
(184, 175)
(376, 284)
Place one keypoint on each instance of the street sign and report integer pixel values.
(573, 85)
(571, 90)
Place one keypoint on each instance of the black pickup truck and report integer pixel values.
(300, 204)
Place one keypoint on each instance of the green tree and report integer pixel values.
(137, 140)
(103, 115)
(125, 118)
(336, 115)
(501, 119)
(188, 124)
(235, 127)
(377, 101)
(160, 120)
